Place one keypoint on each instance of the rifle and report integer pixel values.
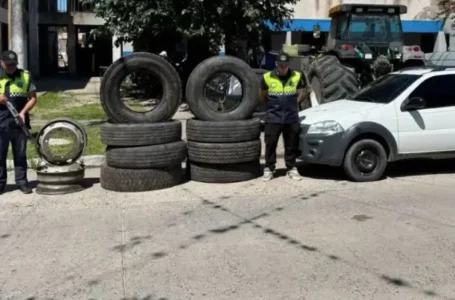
(21, 124)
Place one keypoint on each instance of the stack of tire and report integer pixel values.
(223, 147)
(144, 150)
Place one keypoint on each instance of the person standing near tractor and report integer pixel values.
(281, 90)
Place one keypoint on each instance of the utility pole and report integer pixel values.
(9, 24)
(18, 32)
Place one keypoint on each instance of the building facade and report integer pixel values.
(62, 34)
(420, 26)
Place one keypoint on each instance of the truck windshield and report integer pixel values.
(385, 89)
(370, 27)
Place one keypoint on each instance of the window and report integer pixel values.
(369, 27)
(437, 91)
(385, 89)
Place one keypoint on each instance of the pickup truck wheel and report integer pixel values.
(365, 160)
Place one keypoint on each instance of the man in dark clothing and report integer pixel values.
(281, 90)
(17, 87)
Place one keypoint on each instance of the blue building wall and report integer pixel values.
(409, 26)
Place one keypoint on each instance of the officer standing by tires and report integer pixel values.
(17, 87)
(281, 90)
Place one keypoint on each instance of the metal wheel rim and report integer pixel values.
(366, 161)
(78, 149)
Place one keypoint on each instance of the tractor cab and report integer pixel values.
(375, 25)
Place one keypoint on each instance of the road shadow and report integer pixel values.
(411, 167)
(321, 172)
(278, 235)
(62, 83)
(87, 183)
(421, 167)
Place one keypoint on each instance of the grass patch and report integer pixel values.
(54, 105)
(94, 145)
(85, 112)
(49, 101)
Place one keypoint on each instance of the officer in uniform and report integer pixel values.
(17, 87)
(282, 90)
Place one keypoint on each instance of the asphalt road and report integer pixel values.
(314, 239)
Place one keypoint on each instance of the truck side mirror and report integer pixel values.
(414, 103)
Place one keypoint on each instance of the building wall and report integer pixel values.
(318, 9)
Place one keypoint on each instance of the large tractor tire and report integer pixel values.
(330, 80)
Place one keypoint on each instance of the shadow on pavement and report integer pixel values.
(278, 235)
(421, 167)
(403, 168)
(87, 182)
(61, 83)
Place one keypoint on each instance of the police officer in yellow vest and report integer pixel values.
(281, 90)
(17, 87)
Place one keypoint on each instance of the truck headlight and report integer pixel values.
(325, 128)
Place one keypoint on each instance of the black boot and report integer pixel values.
(25, 188)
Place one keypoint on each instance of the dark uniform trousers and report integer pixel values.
(272, 133)
(15, 88)
(18, 141)
(282, 117)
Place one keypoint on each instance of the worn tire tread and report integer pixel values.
(141, 134)
(223, 131)
(134, 180)
(146, 157)
(229, 173)
(227, 153)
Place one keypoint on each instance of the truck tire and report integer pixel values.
(146, 157)
(330, 80)
(222, 64)
(112, 103)
(229, 173)
(223, 131)
(231, 153)
(131, 135)
(134, 180)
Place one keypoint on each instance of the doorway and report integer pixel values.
(93, 52)
(53, 54)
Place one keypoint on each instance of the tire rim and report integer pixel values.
(366, 161)
(79, 146)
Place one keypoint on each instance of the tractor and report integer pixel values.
(365, 42)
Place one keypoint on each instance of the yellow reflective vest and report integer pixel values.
(282, 104)
(16, 90)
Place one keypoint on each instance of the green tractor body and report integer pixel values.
(365, 42)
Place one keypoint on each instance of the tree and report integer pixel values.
(216, 22)
(446, 10)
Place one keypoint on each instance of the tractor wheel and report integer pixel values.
(330, 80)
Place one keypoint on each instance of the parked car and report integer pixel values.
(405, 114)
